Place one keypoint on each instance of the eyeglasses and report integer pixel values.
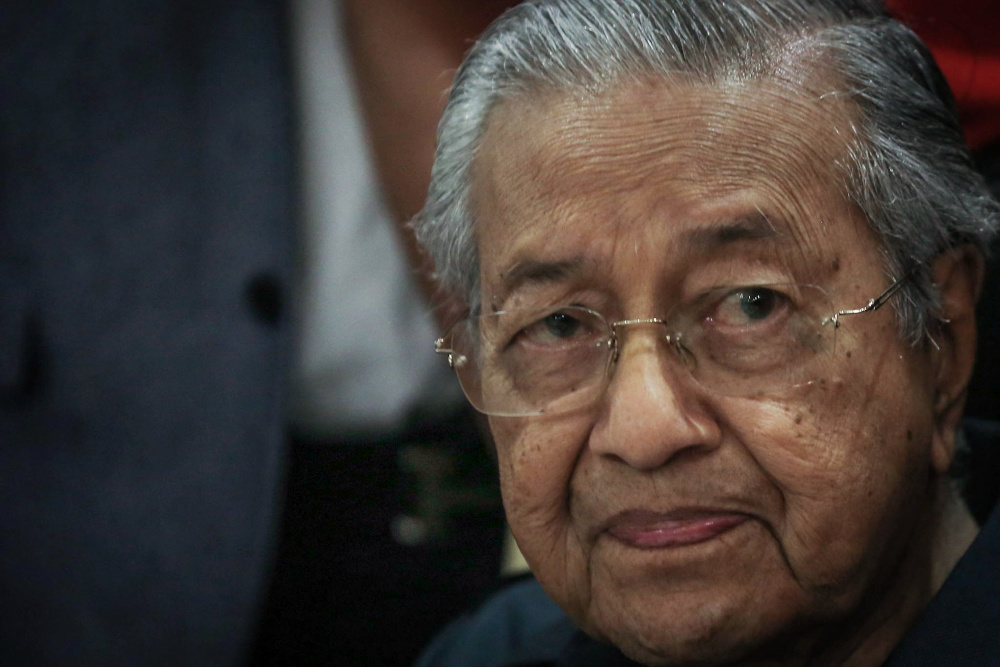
(733, 341)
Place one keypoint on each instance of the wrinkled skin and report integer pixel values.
(839, 525)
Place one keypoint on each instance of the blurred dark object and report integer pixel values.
(144, 248)
(381, 541)
(984, 390)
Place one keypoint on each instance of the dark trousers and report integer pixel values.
(382, 543)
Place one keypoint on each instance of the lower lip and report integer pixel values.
(658, 534)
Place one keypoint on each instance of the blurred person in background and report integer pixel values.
(392, 519)
(176, 178)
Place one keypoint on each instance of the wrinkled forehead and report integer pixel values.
(778, 148)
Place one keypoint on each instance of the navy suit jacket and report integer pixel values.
(145, 238)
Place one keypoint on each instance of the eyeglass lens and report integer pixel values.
(731, 340)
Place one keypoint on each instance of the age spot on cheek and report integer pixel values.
(836, 264)
(524, 455)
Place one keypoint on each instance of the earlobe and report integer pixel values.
(958, 275)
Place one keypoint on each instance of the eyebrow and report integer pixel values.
(534, 272)
(754, 227)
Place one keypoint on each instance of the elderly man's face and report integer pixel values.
(675, 521)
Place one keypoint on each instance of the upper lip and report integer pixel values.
(638, 517)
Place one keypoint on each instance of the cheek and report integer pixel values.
(537, 459)
(851, 465)
(862, 429)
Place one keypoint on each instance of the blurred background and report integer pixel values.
(225, 435)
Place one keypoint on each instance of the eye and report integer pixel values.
(749, 306)
(560, 325)
(553, 328)
(757, 304)
(568, 326)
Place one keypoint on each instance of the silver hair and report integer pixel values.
(907, 167)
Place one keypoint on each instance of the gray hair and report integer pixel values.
(907, 167)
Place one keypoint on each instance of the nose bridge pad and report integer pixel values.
(673, 371)
(672, 338)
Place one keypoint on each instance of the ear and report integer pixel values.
(958, 275)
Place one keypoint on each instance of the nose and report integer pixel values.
(651, 411)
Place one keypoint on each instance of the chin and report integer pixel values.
(691, 651)
(670, 651)
(703, 635)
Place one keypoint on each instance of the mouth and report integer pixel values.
(644, 529)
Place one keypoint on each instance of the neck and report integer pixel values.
(942, 534)
(936, 549)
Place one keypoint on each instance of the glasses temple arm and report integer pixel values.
(872, 305)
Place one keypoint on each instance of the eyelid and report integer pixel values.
(553, 300)
(734, 274)
(532, 331)
(783, 288)
(706, 303)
